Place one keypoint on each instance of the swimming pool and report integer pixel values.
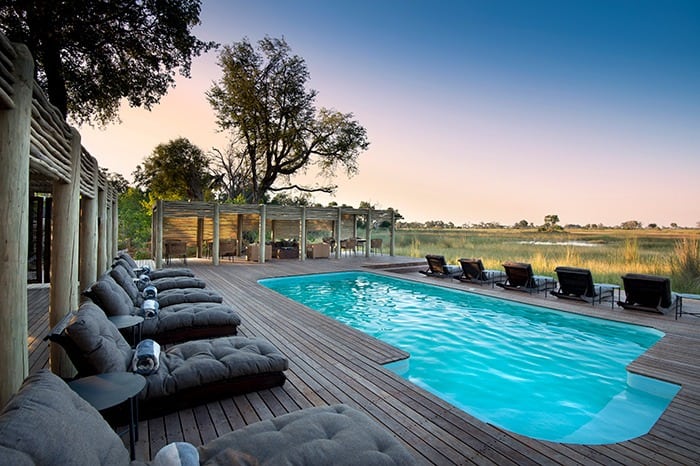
(546, 374)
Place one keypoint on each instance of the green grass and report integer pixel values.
(671, 253)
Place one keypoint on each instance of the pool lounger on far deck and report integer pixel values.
(438, 267)
(519, 276)
(577, 284)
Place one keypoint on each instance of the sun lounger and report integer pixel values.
(438, 267)
(46, 422)
(172, 295)
(154, 274)
(649, 293)
(173, 322)
(577, 284)
(189, 373)
(519, 276)
(473, 271)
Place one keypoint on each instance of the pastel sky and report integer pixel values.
(476, 110)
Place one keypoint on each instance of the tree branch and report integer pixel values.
(322, 189)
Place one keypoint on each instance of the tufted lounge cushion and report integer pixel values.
(98, 347)
(190, 372)
(45, 422)
(178, 289)
(331, 435)
(154, 274)
(174, 322)
(111, 297)
(177, 322)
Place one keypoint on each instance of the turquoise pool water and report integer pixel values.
(546, 374)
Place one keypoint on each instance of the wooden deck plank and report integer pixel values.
(332, 363)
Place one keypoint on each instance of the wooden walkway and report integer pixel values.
(331, 363)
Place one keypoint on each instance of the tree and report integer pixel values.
(134, 218)
(89, 55)
(178, 170)
(521, 224)
(275, 129)
(631, 225)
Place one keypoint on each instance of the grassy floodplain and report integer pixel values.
(608, 253)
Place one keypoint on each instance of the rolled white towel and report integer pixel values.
(149, 308)
(150, 292)
(146, 357)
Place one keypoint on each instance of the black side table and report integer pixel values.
(104, 391)
(129, 321)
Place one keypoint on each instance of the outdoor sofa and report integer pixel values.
(46, 422)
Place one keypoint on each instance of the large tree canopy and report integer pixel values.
(90, 54)
(178, 170)
(276, 131)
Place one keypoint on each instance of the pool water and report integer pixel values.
(543, 373)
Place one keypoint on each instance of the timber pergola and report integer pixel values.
(261, 217)
(41, 155)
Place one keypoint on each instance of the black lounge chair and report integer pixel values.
(577, 284)
(438, 267)
(649, 293)
(46, 422)
(189, 373)
(473, 271)
(519, 276)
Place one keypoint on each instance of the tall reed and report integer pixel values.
(685, 264)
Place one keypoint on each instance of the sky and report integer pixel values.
(476, 111)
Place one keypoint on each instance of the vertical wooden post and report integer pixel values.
(101, 231)
(63, 296)
(215, 235)
(108, 228)
(88, 238)
(159, 234)
(338, 231)
(263, 232)
(15, 127)
(115, 225)
(239, 234)
(392, 234)
(368, 234)
(302, 240)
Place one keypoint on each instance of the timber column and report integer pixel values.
(15, 124)
(65, 218)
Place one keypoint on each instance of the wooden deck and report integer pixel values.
(331, 363)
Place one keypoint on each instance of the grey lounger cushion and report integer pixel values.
(155, 274)
(189, 291)
(174, 322)
(47, 423)
(331, 435)
(188, 372)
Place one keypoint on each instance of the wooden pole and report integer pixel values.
(302, 240)
(115, 225)
(392, 231)
(338, 231)
(63, 296)
(159, 234)
(215, 235)
(15, 127)
(88, 240)
(368, 229)
(101, 231)
(263, 232)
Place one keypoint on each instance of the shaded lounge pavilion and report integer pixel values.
(205, 225)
